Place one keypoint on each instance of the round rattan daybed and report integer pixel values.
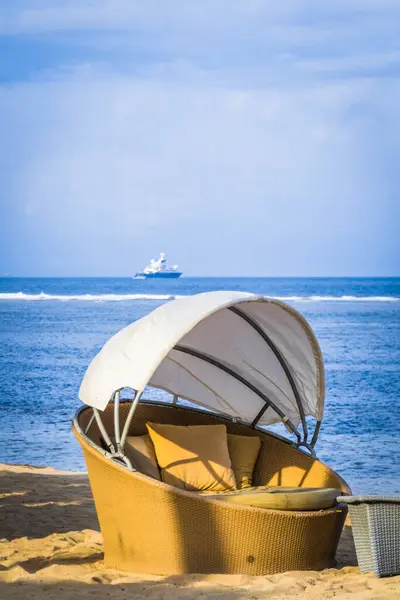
(224, 357)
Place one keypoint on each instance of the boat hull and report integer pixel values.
(160, 275)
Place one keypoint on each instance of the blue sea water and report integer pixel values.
(51, 328)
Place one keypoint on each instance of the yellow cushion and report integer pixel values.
(193, 457)
(243, 450)
(282, 498)
(140, 451)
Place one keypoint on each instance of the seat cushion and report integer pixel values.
(282, 498)
(193, 457)
(140, 451)
(243, 451)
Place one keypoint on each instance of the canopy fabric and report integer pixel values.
(231, 352)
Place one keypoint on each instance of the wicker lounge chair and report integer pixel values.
(247, 362)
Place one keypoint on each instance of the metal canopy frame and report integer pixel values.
(219, 365)
(301, 441)
(116, 445)
(119, 456)
(116, 448)
(281, 360)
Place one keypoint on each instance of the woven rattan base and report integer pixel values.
(152, 527)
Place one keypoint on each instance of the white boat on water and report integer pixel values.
(158, 268)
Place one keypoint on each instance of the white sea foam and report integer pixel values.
(337, 298)
(161, 297)
(86, 297)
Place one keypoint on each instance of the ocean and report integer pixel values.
(51, 328)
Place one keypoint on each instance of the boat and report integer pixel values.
(158, 268)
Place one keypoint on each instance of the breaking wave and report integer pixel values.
(86, 297)
(337, 298)
(164, 297)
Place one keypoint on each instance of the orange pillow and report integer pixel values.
(243, 450)
(193, 457)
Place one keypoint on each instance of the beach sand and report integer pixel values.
(51, 547)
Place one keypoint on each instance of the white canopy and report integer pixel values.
(250, 357)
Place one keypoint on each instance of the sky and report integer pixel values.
(244, 138)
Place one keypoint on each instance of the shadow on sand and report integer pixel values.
(160, 589)
(37, 504)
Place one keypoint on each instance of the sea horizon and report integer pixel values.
(204, 277)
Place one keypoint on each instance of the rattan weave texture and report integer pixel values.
(376, 529)
(149, 526)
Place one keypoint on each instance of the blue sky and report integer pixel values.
(240, 137)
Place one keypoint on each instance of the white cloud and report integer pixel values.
(47, 15)
(234, 154)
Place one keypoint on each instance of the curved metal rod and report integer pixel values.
(219, 365)
(281, 360)
(111, 455)
(103, 430)
(129, 418)
(259, 415)
(117, 430)
(309, 448)
(88, 426)
(121, 457)
(315, 435)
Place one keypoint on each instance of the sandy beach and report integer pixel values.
(51, 547)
